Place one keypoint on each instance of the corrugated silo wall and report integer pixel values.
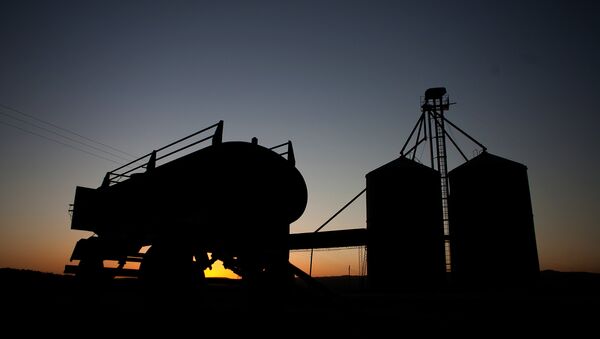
(491, 223)
(404, 222)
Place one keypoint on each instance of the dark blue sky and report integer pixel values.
(341, 79)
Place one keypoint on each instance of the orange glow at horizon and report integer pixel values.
(218, 271)
(330, 262)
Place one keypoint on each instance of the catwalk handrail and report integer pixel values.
(114, 177)
(289, 152)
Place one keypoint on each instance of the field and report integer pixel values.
(35, 302)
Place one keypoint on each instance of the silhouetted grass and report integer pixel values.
(560, 302)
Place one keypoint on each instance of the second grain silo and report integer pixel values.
(404, 223)
(492, 234)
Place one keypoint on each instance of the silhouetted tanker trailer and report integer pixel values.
(235, 200)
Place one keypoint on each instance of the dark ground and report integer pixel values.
(35, 302)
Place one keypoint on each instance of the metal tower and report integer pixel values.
(431, 127)
(433, 105)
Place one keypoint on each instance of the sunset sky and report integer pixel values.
(341, 79)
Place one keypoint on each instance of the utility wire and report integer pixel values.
(59, 142)
(66, 130)
(63, 136)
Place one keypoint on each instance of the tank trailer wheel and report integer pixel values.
(172, 265)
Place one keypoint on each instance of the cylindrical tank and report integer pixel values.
(228, 195)
(405, 245)
(491, 223)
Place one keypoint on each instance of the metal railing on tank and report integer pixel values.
(148, 162)
(290, 151)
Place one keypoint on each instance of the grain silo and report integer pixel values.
(492, 235)
(404, 222)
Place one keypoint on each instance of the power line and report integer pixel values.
(66, 130)
(64, 136)
(59, 142)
